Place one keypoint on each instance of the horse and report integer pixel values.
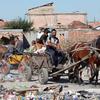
(95, 45)
(77, 52)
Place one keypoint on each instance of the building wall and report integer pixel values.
(82, 35)
(2, 23)
(66, 19)
(44, 16)
(51, 20)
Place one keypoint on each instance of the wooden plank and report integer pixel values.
(69, 66)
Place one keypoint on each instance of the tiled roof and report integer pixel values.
(78, 24)
(94, 24)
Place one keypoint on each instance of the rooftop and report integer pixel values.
(48, 4)
(73, 13)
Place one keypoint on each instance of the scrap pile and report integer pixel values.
(48, 93)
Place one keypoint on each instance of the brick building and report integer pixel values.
(83, 35)
(70, 26)
(2, 23)
(44, 16)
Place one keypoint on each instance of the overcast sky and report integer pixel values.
(12, 9)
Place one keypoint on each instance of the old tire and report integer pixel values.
(43, 75)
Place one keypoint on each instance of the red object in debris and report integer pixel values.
(21, 68)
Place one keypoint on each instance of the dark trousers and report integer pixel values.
(53, 55)
(61, 56)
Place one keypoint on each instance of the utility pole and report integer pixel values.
(94, 19)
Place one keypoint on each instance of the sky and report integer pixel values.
(12, 9)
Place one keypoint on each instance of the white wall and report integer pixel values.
(31, 36)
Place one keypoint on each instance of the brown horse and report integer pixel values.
(95, 45)
(77, 53)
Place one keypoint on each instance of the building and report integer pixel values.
(2, 23)
(9, 32)
(44, 16)
(78, 25)
(70, 26)
(94, 24)
(82, 35)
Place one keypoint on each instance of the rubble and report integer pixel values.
(48, 93)
(22, 90)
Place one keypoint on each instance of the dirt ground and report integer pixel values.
(67, 86)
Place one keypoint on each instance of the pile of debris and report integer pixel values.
(12, 77)
(48, 93)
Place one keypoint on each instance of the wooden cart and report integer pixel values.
(44, 69)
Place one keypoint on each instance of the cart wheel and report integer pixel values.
(5, 69)
(26, 72)
(43, 75)
(56, 78)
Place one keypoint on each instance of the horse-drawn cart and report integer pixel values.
(45, 69)
(40, 64)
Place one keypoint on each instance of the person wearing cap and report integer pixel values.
(44, 36)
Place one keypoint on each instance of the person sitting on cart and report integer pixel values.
(53, 48)
(40, 46)
(44, 37)
(32, 47)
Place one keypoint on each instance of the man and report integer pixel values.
(52, 47)
(53, 41)
(44, 36)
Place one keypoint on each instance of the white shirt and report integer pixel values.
(42, 50)
(39, 35)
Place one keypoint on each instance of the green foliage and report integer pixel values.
(20, 24)
(1, 42)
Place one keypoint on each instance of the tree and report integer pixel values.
(20, 24)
